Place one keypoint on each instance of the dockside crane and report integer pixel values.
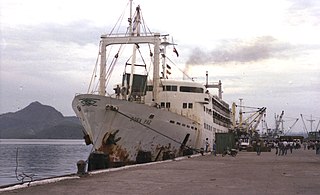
(290, 128)
(279, 121)
(249, 124)
(261, 113)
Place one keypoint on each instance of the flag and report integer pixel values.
(175, 51)
(168, 69)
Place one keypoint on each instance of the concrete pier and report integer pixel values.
(247, 173)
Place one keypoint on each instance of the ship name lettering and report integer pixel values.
(140, 120)
(136, 119)
(147, 122)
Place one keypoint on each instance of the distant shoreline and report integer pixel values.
(42, 141)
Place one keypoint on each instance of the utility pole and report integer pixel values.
(240, 113)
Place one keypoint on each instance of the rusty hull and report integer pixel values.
(119, 156)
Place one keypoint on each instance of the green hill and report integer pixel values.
(38, 121)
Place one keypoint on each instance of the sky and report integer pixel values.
(264, 51)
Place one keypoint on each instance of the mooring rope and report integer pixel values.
(22, 176)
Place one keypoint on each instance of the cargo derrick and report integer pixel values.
(245, 129)
(249, 124)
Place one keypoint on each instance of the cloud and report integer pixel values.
(304, 12)
(242, 51)
(48, 46)
(81, 32)
(47, 63)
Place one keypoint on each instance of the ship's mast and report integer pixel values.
(218, 86)
(134, 32)
(311, 122)
(135, 39)
(130, 19)
(156, 71)
(102, 78)
(164, 57)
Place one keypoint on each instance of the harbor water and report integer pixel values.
(39, 158)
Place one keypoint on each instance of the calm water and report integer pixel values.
(43, 158)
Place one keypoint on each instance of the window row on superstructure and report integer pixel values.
(207, 126)
(184, 105)
(217, 117)
(170, 88)
(221, 120)
(165, 104)
(187, 105)
(222, 108)
(211, 128)
(187, 89)
(183, 125)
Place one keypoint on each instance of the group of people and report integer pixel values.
(317, 147)
(312, 145)
(283, 146)
(207, 147)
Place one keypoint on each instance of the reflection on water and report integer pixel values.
(43, 158)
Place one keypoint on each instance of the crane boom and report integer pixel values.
(251, 122)
(292, 126)
(304, 124)
(259, 119)
(318, 126)
(254, 127)
(279, 120)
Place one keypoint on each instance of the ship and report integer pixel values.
(147, 116)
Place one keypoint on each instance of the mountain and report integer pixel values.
(38, 121)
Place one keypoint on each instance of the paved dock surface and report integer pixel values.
(247, 173)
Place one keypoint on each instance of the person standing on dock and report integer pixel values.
(285, 147)
(214, 148)
(317, 146)
(207, 145)
(290, 144)
(258, 147)
(276, 145)
(304, 145)
(118, 91)
(281, 148)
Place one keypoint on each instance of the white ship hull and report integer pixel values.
(122, 128)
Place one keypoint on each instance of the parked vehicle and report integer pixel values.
(244, 144)
(231, 152)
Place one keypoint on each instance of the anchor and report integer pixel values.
(112, 140)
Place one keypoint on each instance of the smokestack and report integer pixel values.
(206, 79)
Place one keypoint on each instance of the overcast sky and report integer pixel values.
(266, 52)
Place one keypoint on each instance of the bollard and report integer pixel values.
(98, 161)
(81, 167)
